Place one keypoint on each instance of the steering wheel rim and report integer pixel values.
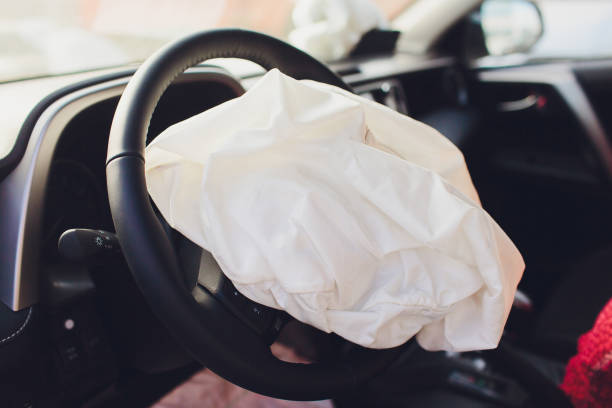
(206, 329)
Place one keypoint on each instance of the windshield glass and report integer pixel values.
(574, 29)
(42, 37)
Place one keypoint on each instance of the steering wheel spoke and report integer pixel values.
(265, 321)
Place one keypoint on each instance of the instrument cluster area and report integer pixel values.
(93, 320)
(76, 188)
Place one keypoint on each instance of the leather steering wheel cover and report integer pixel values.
(206, 329)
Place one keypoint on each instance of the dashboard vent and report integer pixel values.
(348, 70)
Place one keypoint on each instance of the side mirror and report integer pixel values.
(510, 26)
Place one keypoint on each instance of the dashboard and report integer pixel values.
(536, 122)
(64, 140)
(541, 122)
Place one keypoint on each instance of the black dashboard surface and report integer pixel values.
(596, 79)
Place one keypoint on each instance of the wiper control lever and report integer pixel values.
(84, 244)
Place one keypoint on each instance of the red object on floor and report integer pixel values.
(588, 376)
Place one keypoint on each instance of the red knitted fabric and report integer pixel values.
(588, 377)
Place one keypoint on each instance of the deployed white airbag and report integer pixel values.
(351, 217)
(329, 29)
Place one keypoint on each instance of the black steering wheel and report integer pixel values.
(214, 335)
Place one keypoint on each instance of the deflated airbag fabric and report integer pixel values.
(351, 217)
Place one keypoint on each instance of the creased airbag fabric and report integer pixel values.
(351, 217)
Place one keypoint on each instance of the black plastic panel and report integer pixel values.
(596, 79)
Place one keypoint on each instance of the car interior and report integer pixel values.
(103, 304)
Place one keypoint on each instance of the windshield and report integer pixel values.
(574, 29)
(42, 37)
